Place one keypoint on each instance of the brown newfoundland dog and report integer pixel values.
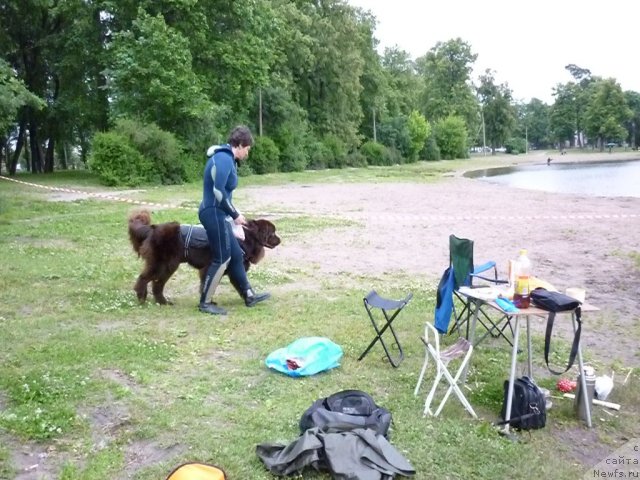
(164, 246)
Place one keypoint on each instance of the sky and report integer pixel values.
(526, 44)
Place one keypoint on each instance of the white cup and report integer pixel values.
(577, 293)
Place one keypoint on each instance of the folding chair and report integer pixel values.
(465, 272)
(390, 310)
(461, 349)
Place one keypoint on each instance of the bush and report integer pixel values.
(294, 159)
(244, 169)
(375, 153)
(319, 155)
(337, 150)
(394, 133)
(431, 150)
(118, 163)
(161, 148)
(356, 159)
(264, 156)
(193, 166)
(515, 145)
(451, 136)
(134, 153)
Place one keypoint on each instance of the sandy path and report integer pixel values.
(573, 240)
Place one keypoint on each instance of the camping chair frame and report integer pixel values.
(461, 258)
(461, 349)
(390, 310)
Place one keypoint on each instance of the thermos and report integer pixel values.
(590, 380)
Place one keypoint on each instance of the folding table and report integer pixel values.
(479, 302)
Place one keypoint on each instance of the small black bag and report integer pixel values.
(528, 406)
(344, 411)
(558, 302)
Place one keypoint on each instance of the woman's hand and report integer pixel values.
(240, 220)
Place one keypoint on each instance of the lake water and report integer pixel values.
(605, 179)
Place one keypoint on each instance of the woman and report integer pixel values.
(217, 214)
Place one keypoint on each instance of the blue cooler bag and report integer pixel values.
(305, 356)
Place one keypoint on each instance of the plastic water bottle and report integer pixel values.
(521, 292)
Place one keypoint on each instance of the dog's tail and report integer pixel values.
(139, 228)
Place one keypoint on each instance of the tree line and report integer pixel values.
(138, 89)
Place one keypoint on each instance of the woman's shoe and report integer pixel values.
(251, 298)
(211, 308)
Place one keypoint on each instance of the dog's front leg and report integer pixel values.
(140, 288)
(158, 292)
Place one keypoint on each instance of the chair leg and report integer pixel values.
(395, 362)
(453, 386)
(427, 403)
(421, 376)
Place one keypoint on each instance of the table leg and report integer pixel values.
(529, 362)
(471, 334)
(583, 381)
(512, 373)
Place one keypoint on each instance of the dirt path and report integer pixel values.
(573, 240)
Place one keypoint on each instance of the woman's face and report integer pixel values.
(241, 153)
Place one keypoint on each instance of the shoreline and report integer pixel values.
(571, 156)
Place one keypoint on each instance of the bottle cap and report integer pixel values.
(523, 251)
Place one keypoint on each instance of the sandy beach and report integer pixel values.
(573, 240)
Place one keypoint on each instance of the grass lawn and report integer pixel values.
(95, 386)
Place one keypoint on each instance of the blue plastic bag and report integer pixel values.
(305, 356)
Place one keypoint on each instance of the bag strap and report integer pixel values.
(519, 418)
(574, 346)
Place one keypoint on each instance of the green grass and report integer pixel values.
(112, 389)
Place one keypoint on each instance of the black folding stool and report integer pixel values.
(390, 310)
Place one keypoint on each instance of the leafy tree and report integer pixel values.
(533, 123)
(515, 145)
(447, 90)
(562, 119)
(580, 74)
(375, 87)
(284, 120)
(330, 89)
(607, 112)
(152, 76)
(234, 46)
(419, 131)
(403, 87)
(13, 96)
(32, 33)
(451, 137)
(499, 114)
(567, 115)
(633, 101)
(394, 133)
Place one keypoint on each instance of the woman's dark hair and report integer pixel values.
(240, 136)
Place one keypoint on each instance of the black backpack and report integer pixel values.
(528, 406)
(344, 411)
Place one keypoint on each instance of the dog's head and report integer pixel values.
(140, 217)
(264, 232)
